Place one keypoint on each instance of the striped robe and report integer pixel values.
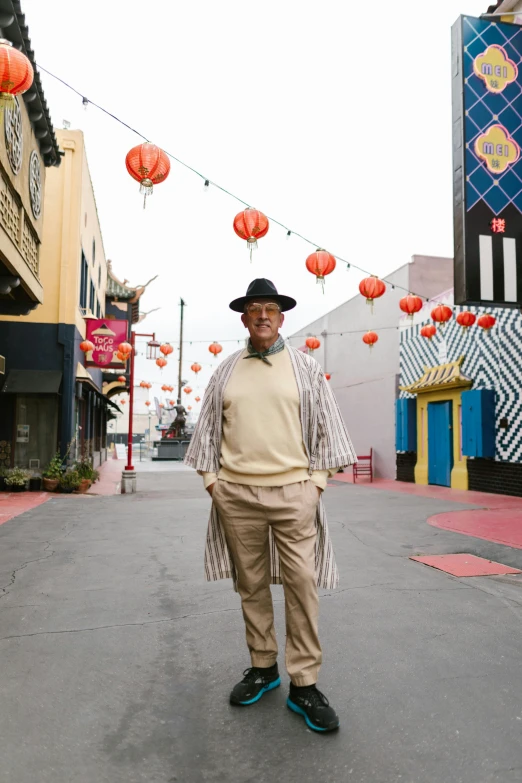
(327, 443)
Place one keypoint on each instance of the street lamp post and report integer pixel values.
(128, 479)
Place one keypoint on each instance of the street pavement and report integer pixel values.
(117, 658)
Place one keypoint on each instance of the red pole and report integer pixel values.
(129, 465)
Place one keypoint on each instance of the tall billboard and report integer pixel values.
(487, 166)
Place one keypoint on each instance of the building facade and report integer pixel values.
(28, 148)
(366, 383)
(460, 407)
(49, 399)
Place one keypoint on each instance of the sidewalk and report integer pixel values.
(498, 518)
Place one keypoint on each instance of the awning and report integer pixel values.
(89, 381)
(443, 376)
(32, 382)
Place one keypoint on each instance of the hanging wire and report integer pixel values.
(208, 182)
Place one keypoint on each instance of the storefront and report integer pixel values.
(459, 412)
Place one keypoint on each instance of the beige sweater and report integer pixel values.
(262, 442)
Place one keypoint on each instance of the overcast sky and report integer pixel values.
(333, 119)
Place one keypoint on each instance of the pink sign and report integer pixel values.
(106, 335)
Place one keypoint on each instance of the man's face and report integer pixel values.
(263, 319)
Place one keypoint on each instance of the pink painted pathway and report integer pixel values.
(499, 519)
(12, 504)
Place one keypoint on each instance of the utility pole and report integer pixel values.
(182, 305)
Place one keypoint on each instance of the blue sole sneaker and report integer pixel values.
(255, 684)
(314, 707)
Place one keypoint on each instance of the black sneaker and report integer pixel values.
(255, 683)
(314, 707)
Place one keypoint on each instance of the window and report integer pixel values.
(93, 251)
(99, 276)
(84, 282)
(92, 298)
(98, 310)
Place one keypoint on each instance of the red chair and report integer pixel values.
(363, 467)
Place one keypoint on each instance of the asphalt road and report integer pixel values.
(117, 657)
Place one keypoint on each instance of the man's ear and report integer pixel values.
(244, 320)
(281, 320)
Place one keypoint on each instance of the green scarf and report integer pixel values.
(278, 346)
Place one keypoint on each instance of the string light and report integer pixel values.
(87, 101)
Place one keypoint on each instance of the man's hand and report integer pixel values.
(210, 488)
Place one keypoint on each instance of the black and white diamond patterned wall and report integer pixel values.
(492, 361)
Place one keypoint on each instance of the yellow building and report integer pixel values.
(49, 398)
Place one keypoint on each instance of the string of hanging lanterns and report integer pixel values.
(149, 165)
(250, 224)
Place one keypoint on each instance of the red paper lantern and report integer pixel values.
(125, 348)
(149, 166)
(161, 362)
(166, 348)
(370, 338)
(122, 379)
(187, 390)
(16, 73)
(466, 319)
(198, 399)
(86, 346)
(441, 313)
(123, 357)
(312, 343)
(189, 407)
(122, 402)
(147, 403)
(411, 304)
(372, 288)
(327, 376)
(165, 387)
(144, 385)
(428, 331)
(215, 348)
(320, 264)
(195, 367)
(486, 322)
(251, 225)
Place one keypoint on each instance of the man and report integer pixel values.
(269, 435)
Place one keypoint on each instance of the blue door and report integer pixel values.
(440, 443)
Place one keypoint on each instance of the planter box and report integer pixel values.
(15, 487)
(35, 484)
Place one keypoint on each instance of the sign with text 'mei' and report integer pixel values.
(487, 165)
(105, 334)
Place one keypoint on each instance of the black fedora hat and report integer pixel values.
(258, 288)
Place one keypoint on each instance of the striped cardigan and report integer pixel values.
(327, 443)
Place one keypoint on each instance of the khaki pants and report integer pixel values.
(246, 514)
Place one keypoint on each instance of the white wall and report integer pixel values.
(366, 382)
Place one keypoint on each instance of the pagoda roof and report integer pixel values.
(442, 376)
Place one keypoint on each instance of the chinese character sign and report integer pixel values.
(105, 334)
(487, 165)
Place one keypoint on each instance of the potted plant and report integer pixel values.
(35, 484)
(86, 472)
(3, 474)
(70, 481)
(16, 480)
(52, 474)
